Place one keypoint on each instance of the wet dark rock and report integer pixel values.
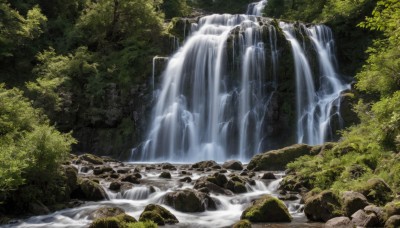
(209, 184)
(244, 173)
(363, 219)
(322, 207)
(288, 197)
(71, 174)
(138, 175)
(38, 208)
(233, 164)
(267, 209)
(189, 200)
(115, 186)
(168, 166)
(378, 211)
(276, 160)
(131, 179)
(186, 179)
(268, 176)
(85, 169)
(165, 175)
(216, 167)
(352, 202)
(339, 222)
(223, 171)
(204, 164)
(158, 214)
(101, 169)
(114, 175)
(123, 171)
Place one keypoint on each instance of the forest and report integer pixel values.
(74, 79)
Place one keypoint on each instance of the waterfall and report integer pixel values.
(214, 102)
(256, 8)
(316, 107)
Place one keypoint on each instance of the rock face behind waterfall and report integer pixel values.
(278, 159)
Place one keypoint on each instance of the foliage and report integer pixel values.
(222, 6)
(175, 8)
(31, 149)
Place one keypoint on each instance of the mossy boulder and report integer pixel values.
(276, 160)
(102, 169)
(158, 214)
(322, 207)
(131, 178)
(71, 175)
(268, 176)
(106, 211)
(242, 224)
(267, 209)
(118, 221)
(165, 175)
(393, 222)
(207, 184)
(95, 160)
(233, 164)
(377, 191)
(352, 202)
(364, 219)
(392, 208)
(91, 190)
(204, 164)
(189, 200)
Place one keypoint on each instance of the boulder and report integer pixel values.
(268, 176)
(104, 212)
(378, 211)
(101, 169)
(276, 160)
(186, 179)
(392, 208)
(118, 221)
(322, 207)
(92, 191)
(204, 164)
(377, 191)
(393, 222)
(189, 200)
(233, 164)
(267, 209)
(339, 222)
(352, 202)
(92, 159)
(204, 184)
(242, 224)
(131, 178)
(364, 219)
(158, 214)
(236, 186)
(165, 175)
(168, 166)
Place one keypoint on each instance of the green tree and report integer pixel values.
(175, 8)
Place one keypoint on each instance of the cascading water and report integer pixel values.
(201, 107)
(316, 107)
(256, 8)
(216, 90)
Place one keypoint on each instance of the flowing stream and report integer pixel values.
(151, 191)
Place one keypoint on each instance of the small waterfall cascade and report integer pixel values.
(256, 8)
(317, 94)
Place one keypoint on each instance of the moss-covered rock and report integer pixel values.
(233, 164)
(119, 221)
(71, 174)
(242, 224)
(392, 208)
(146, 224)
(278, 159)
(343, 222)
(165, 175)
(322, 207)
(92, 190)
(154, 212)
(377, 191)
(393, 222)
(91, 159)
(131, 178)
(189, 200)
(204, 164)
(352, 202)
(267, 209)
(364, 219)
(106, 211)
